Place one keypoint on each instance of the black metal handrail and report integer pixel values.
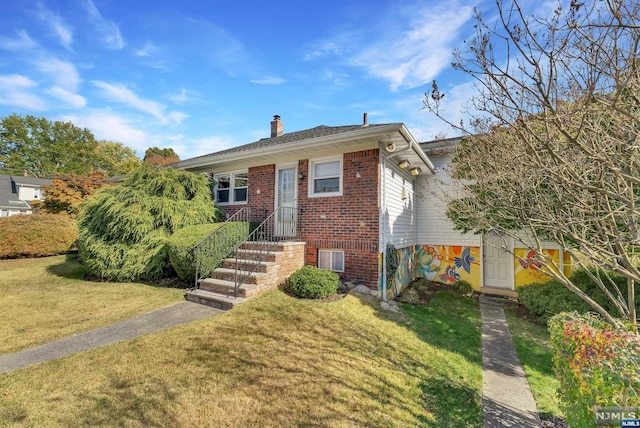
(282, 225)
(223, 241)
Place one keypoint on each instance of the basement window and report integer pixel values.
(331, 259)
(231, 188)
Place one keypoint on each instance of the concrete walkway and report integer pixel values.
(180, 313)
(506, 397)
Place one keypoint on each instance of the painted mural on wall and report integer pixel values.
(527, 266)
(402, 261)
(449, 263)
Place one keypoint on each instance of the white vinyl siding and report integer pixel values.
(331, 259)
(434, 228)
(399, 218)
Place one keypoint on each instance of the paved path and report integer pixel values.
(506, 397)
(180, 313)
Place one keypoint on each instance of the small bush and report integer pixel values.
(463, 286)
(596, 366)
(36, 235)
(182, 252)
(309, 282)
(545, 300)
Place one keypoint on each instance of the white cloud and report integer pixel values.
(407, 48)
(425, 126)
(122, 94)
(182, 97)
(108, 30)
(270, 80)
(188, 148)
(63, 73)
(147, 50)
(69, 98)
(14, 91)
(105, 125)
(22, 43)
(57, 24)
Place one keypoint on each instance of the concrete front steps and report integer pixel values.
(282, 259)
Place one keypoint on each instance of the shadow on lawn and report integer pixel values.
(70, 268)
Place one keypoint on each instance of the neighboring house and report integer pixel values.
(18, 192)
(364, 202)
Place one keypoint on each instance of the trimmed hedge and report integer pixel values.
(596, 366)
(182, 252)
(310, 282)
(545, 300)
(36, 235)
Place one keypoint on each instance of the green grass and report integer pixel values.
(274, 361)
(534, 350)
(45, 299)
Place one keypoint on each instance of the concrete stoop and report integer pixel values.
(218, 290)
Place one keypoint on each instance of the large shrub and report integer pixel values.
(596, 366)
(550, 298)
(36, 235)
(124, 229)
(182, 253)
(312, 283)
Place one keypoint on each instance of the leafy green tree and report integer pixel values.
(553, 150)
(42, 148)
(124, 228)
(112, 158)
(158, 156)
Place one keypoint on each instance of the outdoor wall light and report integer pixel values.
(301, 175)
(415, 170)
(404, 163)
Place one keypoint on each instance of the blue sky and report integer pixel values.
(202, 76)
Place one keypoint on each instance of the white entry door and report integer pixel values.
(498, 262)
(286, 216)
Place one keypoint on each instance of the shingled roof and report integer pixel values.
(307, 134)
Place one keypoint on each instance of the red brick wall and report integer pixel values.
(262, 180)
(348, 222)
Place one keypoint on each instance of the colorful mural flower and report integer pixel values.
(427, 262)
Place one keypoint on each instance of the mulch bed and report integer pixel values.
(421, 291)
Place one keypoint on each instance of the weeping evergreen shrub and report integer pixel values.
(123, 229)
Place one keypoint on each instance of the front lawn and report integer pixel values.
(274, 361)
(45, 299)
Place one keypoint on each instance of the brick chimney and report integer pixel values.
(276, 126)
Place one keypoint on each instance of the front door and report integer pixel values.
(286, 213)
(498, 262)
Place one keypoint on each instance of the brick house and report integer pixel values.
(352, 188)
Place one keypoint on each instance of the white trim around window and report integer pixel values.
(231, 187)
(325, 177)
(331, 259)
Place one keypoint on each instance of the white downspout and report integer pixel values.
(384, 228)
